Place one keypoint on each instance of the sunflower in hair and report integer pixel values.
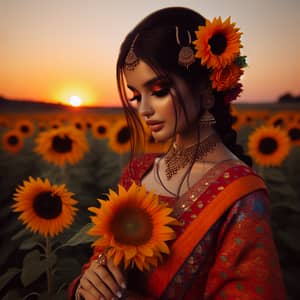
(45, 209)
(100, 129)
(269, 146)
(12, 141)
(119, 140)
(26, 127)
(226, 78)
(218, 43)
(63, 145)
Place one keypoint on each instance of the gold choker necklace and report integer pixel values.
(178, 157)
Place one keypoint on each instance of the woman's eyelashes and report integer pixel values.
(135, 97)
(158, 91)
(162, 92)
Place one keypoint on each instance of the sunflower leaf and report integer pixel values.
(23, 232)
(29, 243)
(34, 267)
(6, 277)
(81, 237)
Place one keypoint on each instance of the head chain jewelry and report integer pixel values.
(186, 54)
(131, 60)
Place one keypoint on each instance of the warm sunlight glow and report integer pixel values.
(75, 94)
(75, 101)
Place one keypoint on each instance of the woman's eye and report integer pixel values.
(161, 92)
(135, 98)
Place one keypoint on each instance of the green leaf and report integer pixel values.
(34, 267)
(23, 232)
(81, 237)
(29, 243)
(6, 277)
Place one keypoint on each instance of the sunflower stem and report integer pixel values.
(261, 171)
(49, 274)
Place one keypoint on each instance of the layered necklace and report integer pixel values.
(178, 156)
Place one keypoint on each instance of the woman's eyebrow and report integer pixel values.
(149, 82)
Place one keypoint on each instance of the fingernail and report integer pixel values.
(119, 294)
(123, 285)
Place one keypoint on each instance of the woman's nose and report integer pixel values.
(146, 109)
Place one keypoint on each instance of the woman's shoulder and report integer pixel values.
(137, 166)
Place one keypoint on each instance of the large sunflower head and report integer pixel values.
(12, 141)
(269, 145)
(63, 145)
(218, 43)
(45, 209)
(133, 227)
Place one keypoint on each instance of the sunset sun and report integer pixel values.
(75, 101)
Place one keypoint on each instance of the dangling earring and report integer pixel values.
(131, 60)
(186, 54)
(207, 119)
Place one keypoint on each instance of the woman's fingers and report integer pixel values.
(102, 282)
(111, 288)
(117, 274)
(86, 295)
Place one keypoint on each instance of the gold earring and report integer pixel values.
(207, 119)
(186, 54)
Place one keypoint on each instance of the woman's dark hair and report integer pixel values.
(155, 43)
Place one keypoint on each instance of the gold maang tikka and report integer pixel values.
(186, 55)
(131, 60)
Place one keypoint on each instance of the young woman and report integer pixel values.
(177, 73)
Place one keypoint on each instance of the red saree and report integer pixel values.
(224, 250)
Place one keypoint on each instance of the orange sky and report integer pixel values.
(51, 50)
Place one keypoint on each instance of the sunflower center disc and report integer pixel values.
(268, 145)
(278, 122)
(13, 140)
(78, 126)
(123, 135)
(218, 43)
(101, 129)
(294, 134)
(62, 144)
(132, 226)
(24, 128)
(47, 206)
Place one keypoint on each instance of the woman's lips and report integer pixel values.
(155, 126)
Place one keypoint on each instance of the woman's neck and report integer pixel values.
(188, 138)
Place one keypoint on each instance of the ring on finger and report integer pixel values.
(101, 260)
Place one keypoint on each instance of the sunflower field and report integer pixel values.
(55, 164)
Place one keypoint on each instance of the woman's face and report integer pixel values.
(151, 96)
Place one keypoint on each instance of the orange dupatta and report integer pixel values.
(163, 274)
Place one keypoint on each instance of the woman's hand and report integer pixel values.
(101, 281)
